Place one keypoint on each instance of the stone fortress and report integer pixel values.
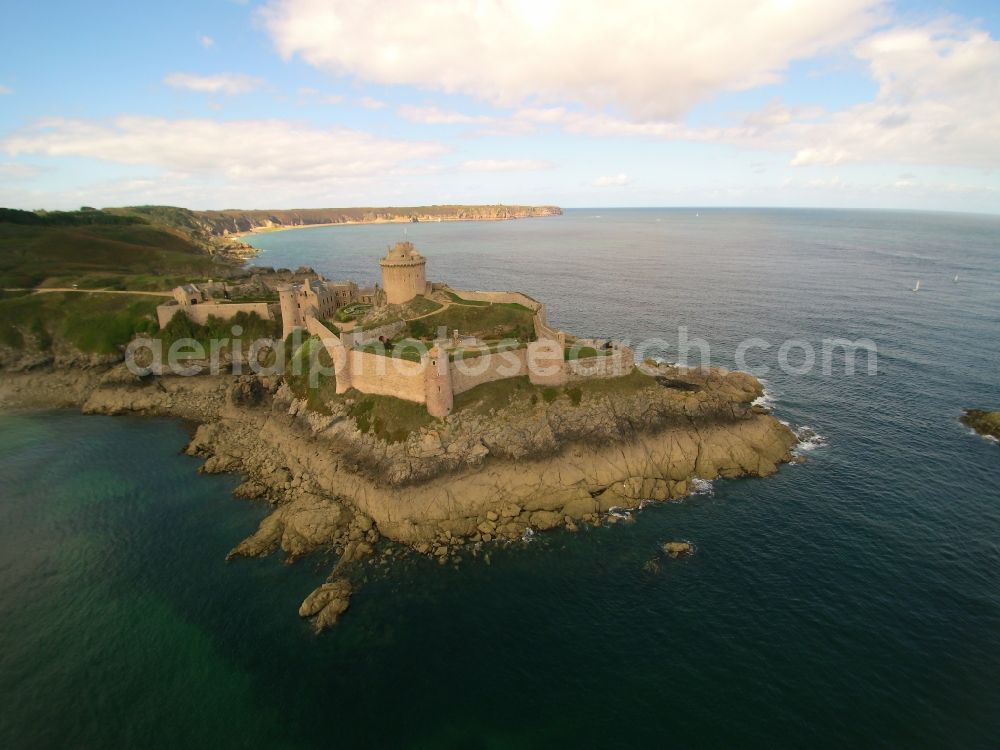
(450, 362)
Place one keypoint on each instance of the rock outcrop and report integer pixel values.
(986, 423)
(677, 549)
(327, 603)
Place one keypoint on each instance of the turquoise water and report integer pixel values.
(851, 600)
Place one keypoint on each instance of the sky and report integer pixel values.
(214, 104)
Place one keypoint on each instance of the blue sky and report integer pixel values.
(298, 103)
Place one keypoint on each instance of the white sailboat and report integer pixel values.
(917, 287)
(956, 278)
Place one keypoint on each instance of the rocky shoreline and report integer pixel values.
(455, 486)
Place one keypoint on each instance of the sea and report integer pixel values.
(852, 600)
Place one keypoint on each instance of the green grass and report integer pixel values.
(408, 349)
(515, 306)
(418, 306)
(83, 217)
(98, 255)
(485, 303)
(352, 312)
(388, 418)
(92, 323)
(496, 395)
(473, 353)
(491, 321)
(635, 381)
(415, 308)
(461, 301)
(217, 329)
(584, 352)
(309, 375)
(375, 324)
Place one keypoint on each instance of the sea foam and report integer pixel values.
(701, 487)
(809, 440)
(767, 399)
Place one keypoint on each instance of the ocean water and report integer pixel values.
(852, 600)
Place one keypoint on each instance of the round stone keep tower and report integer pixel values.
(404, 273)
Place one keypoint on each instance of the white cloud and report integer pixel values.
(651, 58)
(938, 103)
(206, 41)
(505, 165)
(611, 180)
(369, 103)
(4, 90)
(254, 152)
(437, 116)
(219, 83)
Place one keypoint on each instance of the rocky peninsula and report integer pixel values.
(485, 475)
(407, 418)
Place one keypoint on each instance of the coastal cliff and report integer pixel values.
(226, 223)
(489, 474)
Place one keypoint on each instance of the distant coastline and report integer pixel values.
(238, 223)
(394, 220)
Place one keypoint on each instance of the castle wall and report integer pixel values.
(201, 312)
(339, 354)
(468, 373)
(387, 376)
(547, 363)
(503, 297)
(618, 363)
(545, 331)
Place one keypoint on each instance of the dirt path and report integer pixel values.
(444, 306)
(43, 290)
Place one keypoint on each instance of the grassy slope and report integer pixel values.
(134, 256)
(85, 250)
(94, 323)
(490, 322)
